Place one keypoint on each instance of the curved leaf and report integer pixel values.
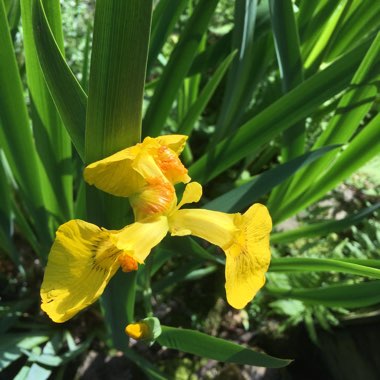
(197, 343)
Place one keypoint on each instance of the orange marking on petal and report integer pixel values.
(127, 263)
(171, 165)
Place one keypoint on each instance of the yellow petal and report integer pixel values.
(146, 165)
(125, 173)
(115, 174)
(245, 240)
(171, 166)
(216, 227)
(81, 262)
(138, 330)
(158, 198)
(175, 142)
(192, 194)
(139, 238)
(248, 258)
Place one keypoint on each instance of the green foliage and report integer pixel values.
(280, 100)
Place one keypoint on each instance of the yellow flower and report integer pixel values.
(84, 257)
(130, 171)
(243, 238)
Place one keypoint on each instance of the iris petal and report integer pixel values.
(126, 172)
(115, 174)
(139, 238)
(244, 239)
(81, 262)
(248, 257)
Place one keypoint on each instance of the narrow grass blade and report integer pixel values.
(66, 92)
(326, 35)
(347, 296)
(298, 265)
(361, 21)
(352, 108)
(322, 228)
(285, 112)
(13, 11)
(177, 68)
(197, 343)
(289, 59)
(212, 55)
(199, 105)
(363, 148)
(243, 196)
(164, 19)
(52, 141)
(15, 135)
(239, 75)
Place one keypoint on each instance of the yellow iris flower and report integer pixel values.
(145, 172)
(84, 257)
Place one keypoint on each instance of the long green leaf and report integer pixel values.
(117, 77)
(52, 141)
(363, 148)
(327, 35)
(361, 20)
(199, 105)
(243, 196)
(347, 296)
(322, 228)
(351, 109)
(297, 265)
(289, 59)
(240, 72)
(289, 109)
(164, 19)
(66, 91)
(197, 343)
(177, 68)
(15, 135)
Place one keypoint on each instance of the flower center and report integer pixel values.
(157, 198)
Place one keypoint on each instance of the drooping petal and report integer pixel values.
(115, 174)
(248, 258)
(244, 239)
(139, 238)
(81, 262)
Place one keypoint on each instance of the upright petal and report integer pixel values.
(115, 174)
(175, 142)
(248, 257)
(139, 238)
(171, 166)
(81, 262)
(192, 194)
(126, 172)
